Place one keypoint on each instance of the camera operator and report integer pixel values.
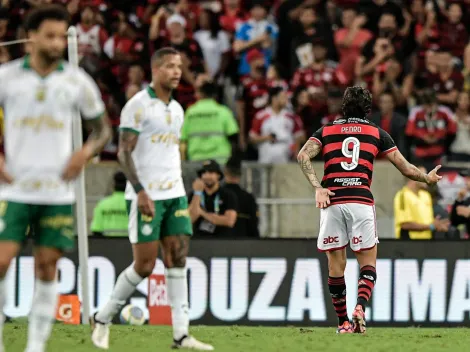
(212, 208)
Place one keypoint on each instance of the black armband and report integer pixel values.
(137, 188)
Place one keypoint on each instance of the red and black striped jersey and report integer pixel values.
(349, 148)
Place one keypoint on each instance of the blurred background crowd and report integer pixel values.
(260, 76)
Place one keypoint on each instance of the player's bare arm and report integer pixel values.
(308, 152)
(100, 133)
(411, 171)
(127, 142)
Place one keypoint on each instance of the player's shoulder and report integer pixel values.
(139, 100)
(446, 111)
(263, 114)
(12, 67)
(176, 106)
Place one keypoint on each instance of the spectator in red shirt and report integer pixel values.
(453, 31)
(91, 36)
(123, 48)
(350, 40)
(391, 121)
(317, 77)
(431, 129)
(277, 132)
(447, 81)
(233, 15)
(252, 94)
(388, 77)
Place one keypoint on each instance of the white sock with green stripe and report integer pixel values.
(124, 288)
(177, 285)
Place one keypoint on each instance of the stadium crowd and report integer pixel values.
(260, 76)
(412, 54)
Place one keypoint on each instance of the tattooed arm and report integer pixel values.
(309, 151)
(407, 169)
(127, 143)
(99, 135)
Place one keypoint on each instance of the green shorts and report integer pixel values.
(51, 225)
(171, 218)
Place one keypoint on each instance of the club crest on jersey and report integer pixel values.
(41, 93)
(168, 117)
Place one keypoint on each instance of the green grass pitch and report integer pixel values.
(251, 339)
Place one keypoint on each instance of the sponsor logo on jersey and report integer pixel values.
(165, 138)
(339, 121)
(348, 181)
(39, 123)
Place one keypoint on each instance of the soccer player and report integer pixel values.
(149, 153)
(349, 146)
(40, 94)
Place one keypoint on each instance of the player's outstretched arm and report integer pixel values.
(309, 151)
(411, 171)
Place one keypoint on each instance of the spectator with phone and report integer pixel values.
(255, 32)
(276, 131)
(212, 207)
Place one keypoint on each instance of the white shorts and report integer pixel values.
(350, 222)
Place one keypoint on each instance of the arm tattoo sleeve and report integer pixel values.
(100, 134)
(406, 168)
(127, 143)
(309, 151)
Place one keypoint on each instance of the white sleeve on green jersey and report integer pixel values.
(90, 102)
(132, 115)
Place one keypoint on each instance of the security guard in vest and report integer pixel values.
(110, 215)
(212, 207)
(247, 211)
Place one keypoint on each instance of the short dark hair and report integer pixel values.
(160, 54)
(234, 165)
(120, 181)
(208, 89)
(273, 92)
(357, 102)
(43, 13)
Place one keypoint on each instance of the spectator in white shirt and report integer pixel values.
(276, 130)
(215, 44)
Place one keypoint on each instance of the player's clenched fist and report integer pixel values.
(76, 164)
(5, 177)
(198, 185)
(433, 177)
(145, 204)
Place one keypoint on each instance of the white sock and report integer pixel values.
(177, 285)
(42, 314)
(3, 298)
(124, 288)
